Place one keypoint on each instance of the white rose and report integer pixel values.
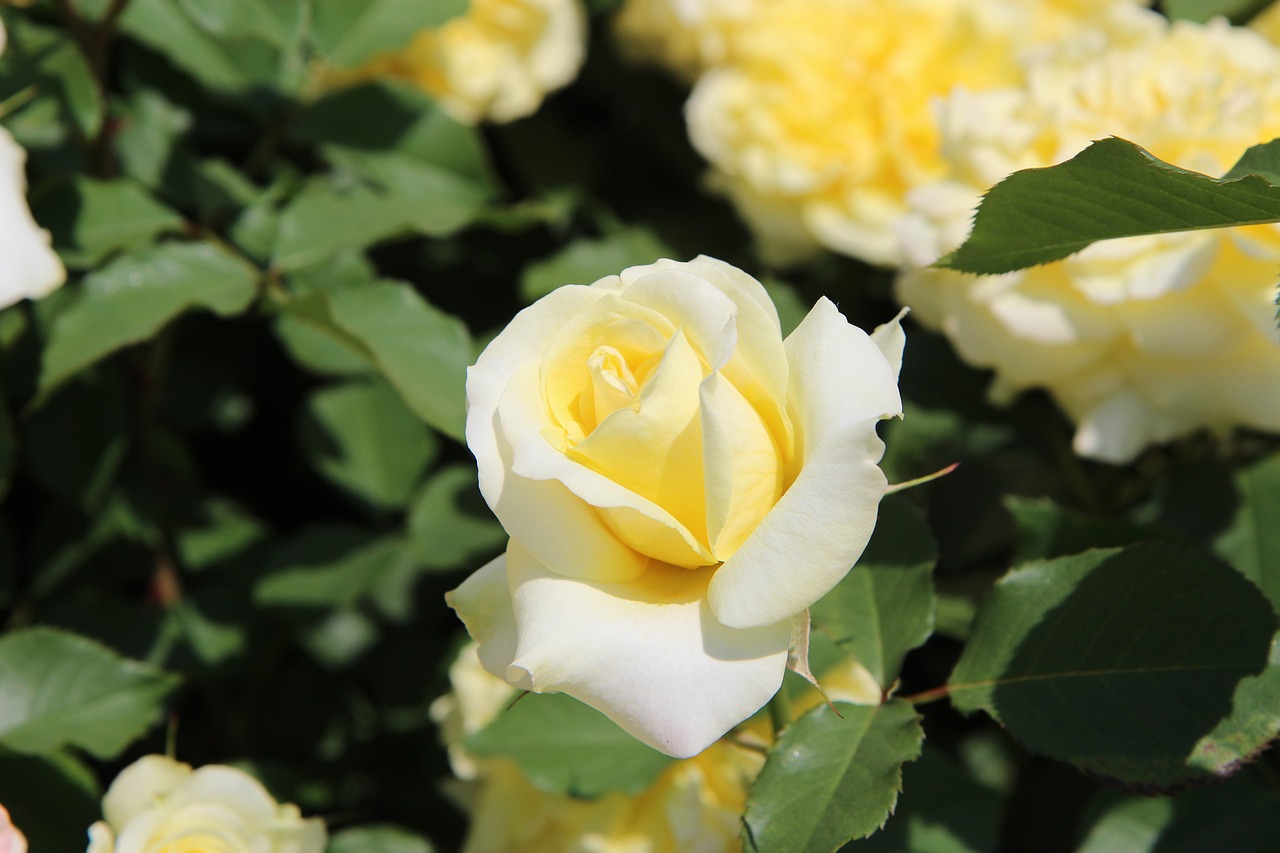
(158, 804)
(495, 62)
(1140, 340)
(29, 269)
(679, 484)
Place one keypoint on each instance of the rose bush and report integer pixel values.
(497, 62)
(661, 459)
(158, 804)
(30, 269)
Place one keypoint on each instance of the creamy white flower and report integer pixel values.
(1144, 339)
(820, 118)
(11, 840)
(662, 460)
(29, 268)
(498, 61)
(158, 804)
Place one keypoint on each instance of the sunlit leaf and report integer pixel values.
(831, 778)
(1111, 189)
(61, 689)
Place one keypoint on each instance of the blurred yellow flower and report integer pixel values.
(684, 36)
(158, 804)
(696, 804)
(495, 63)
(1144, 339)
(1268, 22)
(820, 118)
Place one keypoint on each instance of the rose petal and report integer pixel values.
(30, 269)
(648, 654)
(691, 303)
(139, 785)
(891, 340)
(841, 385)
(483, 603)
(634, 519)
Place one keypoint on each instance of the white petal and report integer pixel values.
(101, 838)
(891, 340)
(139, 785)
(29, 269)
(538, 511)
(483, 603)
(841, 385)
(648, 654)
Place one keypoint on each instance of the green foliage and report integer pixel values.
(1111, 189)
(63, 690)
(566, 747)
(378, 839)
(884, 607)
(132, 298)
(1239, 11)
(1252, 542)
(833, 776)
(1151, 665)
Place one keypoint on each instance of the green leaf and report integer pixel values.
(566, 747)
(1047, 529)
(1152, 665)
(1238, 11)
(90, 219)
(884, 607)
(419, 349)
(129, 300)
(328, 567)
(165, 27)
(360, 436)
(8, 444)
(1252, 542)
(943, 811)
(1111, 189)
(449, 523)
(831, 778)
(383, 838)
(61, 689)
(585, 261)
(351, 33)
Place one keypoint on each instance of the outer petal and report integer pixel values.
(101, 838)
(139, 785)
(537, 511)
(483, 603)
(648, 654)
(841, 385)
(29, 269)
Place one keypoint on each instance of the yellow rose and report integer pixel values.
(696, 804)
(683, 36)
(30, 269)
(822, 118)
(679, 484)
(1144, 339)
(497, 62)
(11, 840)
(158, 805)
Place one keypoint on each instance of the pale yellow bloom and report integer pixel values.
(29, 268)
(1144, 339)
(694, 805)
(661, 456)
(497, 62)
(1268, 22)
(821, 117)
(158, 804)
(684, 36)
